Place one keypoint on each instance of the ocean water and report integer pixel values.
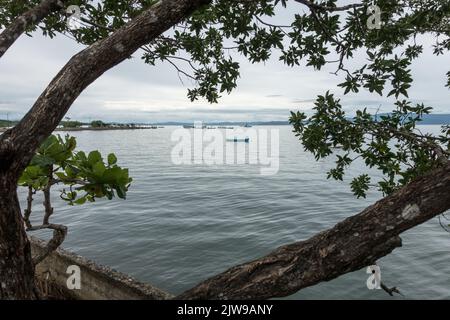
(182, 224)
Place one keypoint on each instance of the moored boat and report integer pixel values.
(246, 140)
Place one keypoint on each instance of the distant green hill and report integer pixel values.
(427, 119)
(6, 123)
(436, 119)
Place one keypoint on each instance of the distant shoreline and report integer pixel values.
(428, 119)
(179, 124)
(103, 128)
(94, 129)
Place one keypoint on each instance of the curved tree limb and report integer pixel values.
(316, 6)
(27, 211)
(352, 244)
(390, 291)
(29, 18)
(59, 234)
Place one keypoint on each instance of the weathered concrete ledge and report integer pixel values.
(97, 282)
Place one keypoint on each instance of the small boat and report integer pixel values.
(247, 125)
(194, 127)
(246, 140)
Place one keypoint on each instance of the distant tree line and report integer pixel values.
(71, 124)
(7, 123)
(78, 124)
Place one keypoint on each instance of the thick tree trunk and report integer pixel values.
(26, 20)
(16, 268)
(352, 244)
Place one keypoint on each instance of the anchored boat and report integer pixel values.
(187, 126)
(246, 140)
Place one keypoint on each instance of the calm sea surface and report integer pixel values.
(183, 223)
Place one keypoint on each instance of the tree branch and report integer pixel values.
(29, 18)
(27, 211)
(314, 6)
(59, 234)
(390, 291)
(47, 200)
(427, 142)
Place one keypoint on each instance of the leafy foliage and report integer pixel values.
(86, 176)
(391, 143)
(71, 124)
(98, 124)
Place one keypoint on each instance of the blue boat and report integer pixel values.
(187, 126)
(246, 140)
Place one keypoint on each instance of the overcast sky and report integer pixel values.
(134, 91)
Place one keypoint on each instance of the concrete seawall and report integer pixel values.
(97, 282)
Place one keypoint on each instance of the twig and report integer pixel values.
(281, 28)
(390, 291)
(59, 234)
(47, 200)
(27, 211)
(316, 6)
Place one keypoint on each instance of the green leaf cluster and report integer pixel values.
(389, 143)
(85, 177)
